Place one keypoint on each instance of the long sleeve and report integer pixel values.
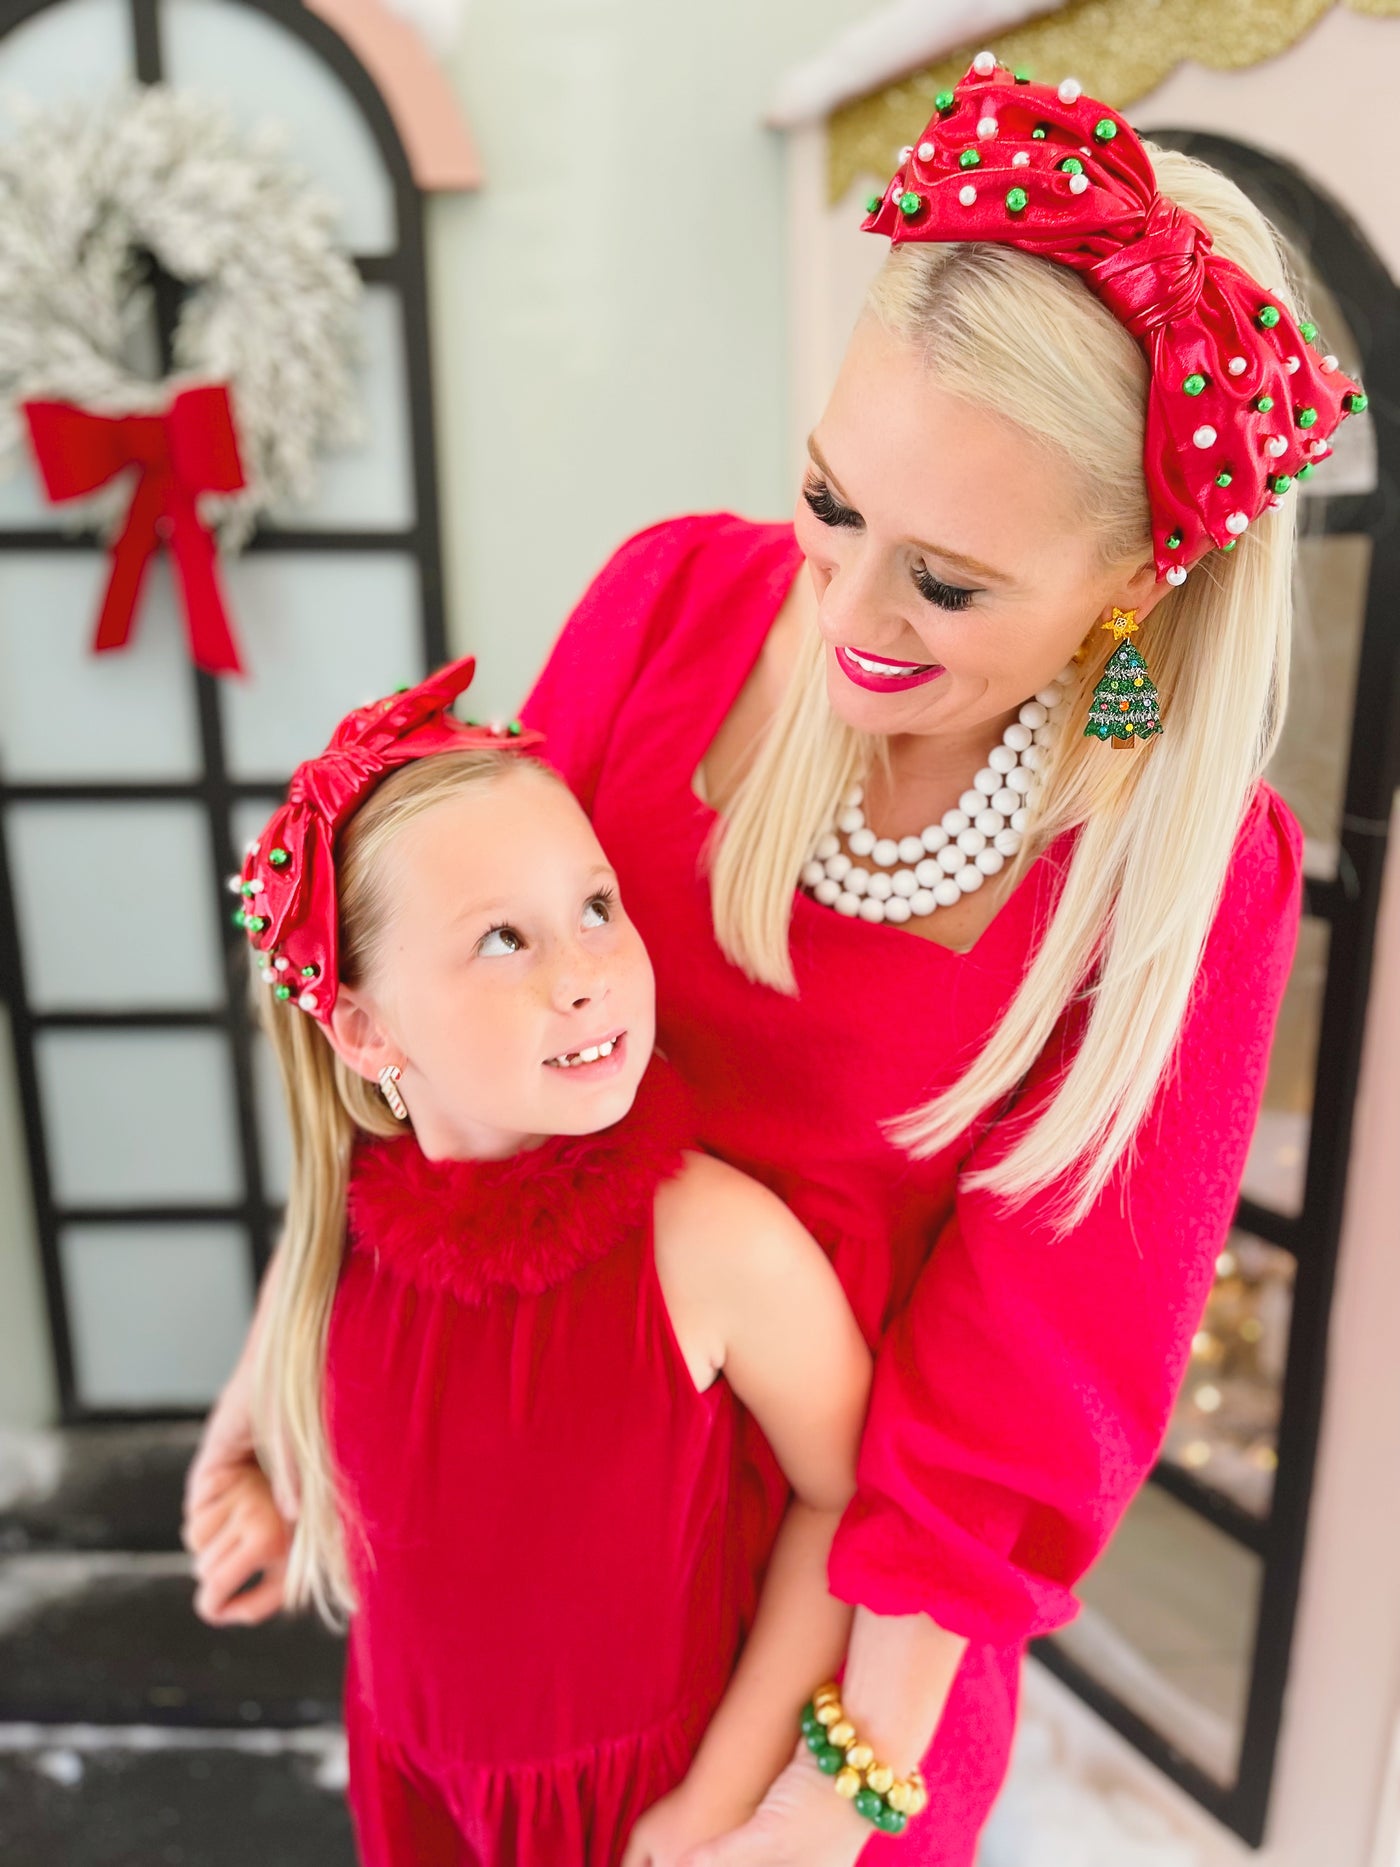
(1022, 1395)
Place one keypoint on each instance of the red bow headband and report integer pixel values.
(1239, 405)
(289, 906)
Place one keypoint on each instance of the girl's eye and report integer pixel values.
(499, 941)
(945, 595)
(598, 911)
(826, 506)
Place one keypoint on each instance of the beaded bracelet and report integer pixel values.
(886, 1801)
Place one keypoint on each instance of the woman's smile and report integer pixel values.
(878, 674)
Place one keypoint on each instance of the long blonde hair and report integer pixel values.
(1025, 338)
(327, 1106)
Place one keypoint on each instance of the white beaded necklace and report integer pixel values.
(948, 859)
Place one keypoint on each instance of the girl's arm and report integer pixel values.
(753, 1297)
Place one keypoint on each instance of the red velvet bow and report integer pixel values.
(289, 907)
(189, 450)
(1239, 404)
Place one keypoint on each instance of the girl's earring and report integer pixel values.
(1125, 708)
(389, 1079)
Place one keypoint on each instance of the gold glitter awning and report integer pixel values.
(1118, 49)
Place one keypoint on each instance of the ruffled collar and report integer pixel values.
(472, 1228)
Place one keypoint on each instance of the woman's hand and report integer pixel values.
(235, 1531)
(801, 1822)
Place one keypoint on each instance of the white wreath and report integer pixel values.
(271, 307)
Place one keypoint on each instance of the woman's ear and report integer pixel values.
(1144, 590)
(359, 1039)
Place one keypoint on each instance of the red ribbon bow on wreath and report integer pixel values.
(190, 449)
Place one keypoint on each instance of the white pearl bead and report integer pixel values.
(970, 803)
(927, 152)
(861, 841)
(989, 822)
(1017, 736)
(1021, 159)
(1068, 677)
(989, 861)
(1070, 91)
(947, 894)
(826, 892)
(928, 871)
(986, 128)
(1033, 758)
(896, 909)
(857, 881)
(838, 867)
(1001, 759)
(812, 873)
(933, 838)
(911, 849)
(1276, 446)
(268, 976)
(308, 1000)
(847, 904)
(885, 851)
(1204, 436)
(922, 903)
(1328, 363)
(906, 152)
(951, 859)
(1019, 820)
(984, 64)
(970, 878)
(1078, 184)
(281, 964)
(1005, 801)
(1176, 574)
(855, 797)
(1050, 698)
(987, 781)
(971, 841)
(1044, 734)
(1019, 781)
(1237, 365)
(849, 820)
(826, 846)
(955, 820)
(1291, 365)
(1237, 522)
(1007, 843)
(1318, 448)
(967, 194)
(881, 887)
(1033, 714)
(871, 910)
(903, 883)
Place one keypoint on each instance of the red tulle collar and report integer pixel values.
(472, 1227)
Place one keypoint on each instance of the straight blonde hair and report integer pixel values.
(1026, 338)
(328, 1105)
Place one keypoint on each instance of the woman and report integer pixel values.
(1014, 1108)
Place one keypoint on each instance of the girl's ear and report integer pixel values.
(358, 1038)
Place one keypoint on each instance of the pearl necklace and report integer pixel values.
(948, 859)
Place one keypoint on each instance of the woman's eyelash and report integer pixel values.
(826, 506)
(944, 595)
(608, 897)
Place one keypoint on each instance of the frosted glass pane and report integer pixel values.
(371, 483)
(274, 1138)
(127, 714)
(265, 75)
(22, 501)
(158, 1312)
(139, 1117)
(81, 48)
(86, 944)
(323, 633)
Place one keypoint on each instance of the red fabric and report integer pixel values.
(1151, 263)
(1022, 1386)
(537, 1501)
(189, 449)
(290, 904)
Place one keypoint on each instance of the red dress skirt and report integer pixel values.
(536, 1501)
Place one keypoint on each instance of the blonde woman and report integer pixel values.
(1006, 1072)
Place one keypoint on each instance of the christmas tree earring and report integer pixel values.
(1125, 708)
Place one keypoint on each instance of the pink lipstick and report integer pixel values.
(877, 674)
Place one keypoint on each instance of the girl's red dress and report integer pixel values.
(1023, 1383)
(538, 1501)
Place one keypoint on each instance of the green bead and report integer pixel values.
(1174, 541)
(969, 159)
(1071, 166)
(1307, 331)
(515, 729)
(1306, 417)
(309, 972)
(278, 858)
(1263, 403)
(1040, 132)
(1305, 471)
(1022, 74)
(872, 206)
(255, 923)
(1356, 402)
(910, 203)
(1223, 478)
(1194, 383)
(239, 917)
(1280, 483)
(1229, 544)
(944, 102)
(868, 1804)
(248, 888)
(1105, 130)
(1267, 316)
(890, 1822)
(1016, 199)
(282, 991)
(830, 1759)
(403, 687)
(816, 1739)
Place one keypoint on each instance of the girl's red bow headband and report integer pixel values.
(289, 908)
(1239, 405)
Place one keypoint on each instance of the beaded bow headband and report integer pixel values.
(1239, 405)
(287, 885)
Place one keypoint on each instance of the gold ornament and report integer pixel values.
(860, 1756)
(1122, 623)
(880, 1779)
(847, 1783)
(901, 1797)
(842, 1733)
(829, 1713)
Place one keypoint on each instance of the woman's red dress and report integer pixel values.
(1023, 1382)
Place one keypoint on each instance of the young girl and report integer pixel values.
(489, 1380)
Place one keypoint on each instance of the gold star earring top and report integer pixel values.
(1122, 623)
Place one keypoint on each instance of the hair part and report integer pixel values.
(1026, 338)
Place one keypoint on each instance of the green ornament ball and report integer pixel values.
(1040, 132)
(1105, 130)
(1280, 483)
(1356, 402)
(1307, 331)
(1194, 383)
(282, 991)
(1224, 478)
(1016, 199)
(1306, 417)
(278, 858)
(872, 206)
(944, 102)
(1263, 403)
(910, 203)
(1229, 544)
(1267, 317)
(1305, 471)
(1071, 166)
(969, 159)
(1174, 541)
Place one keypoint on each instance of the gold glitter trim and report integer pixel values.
(1118, 49)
